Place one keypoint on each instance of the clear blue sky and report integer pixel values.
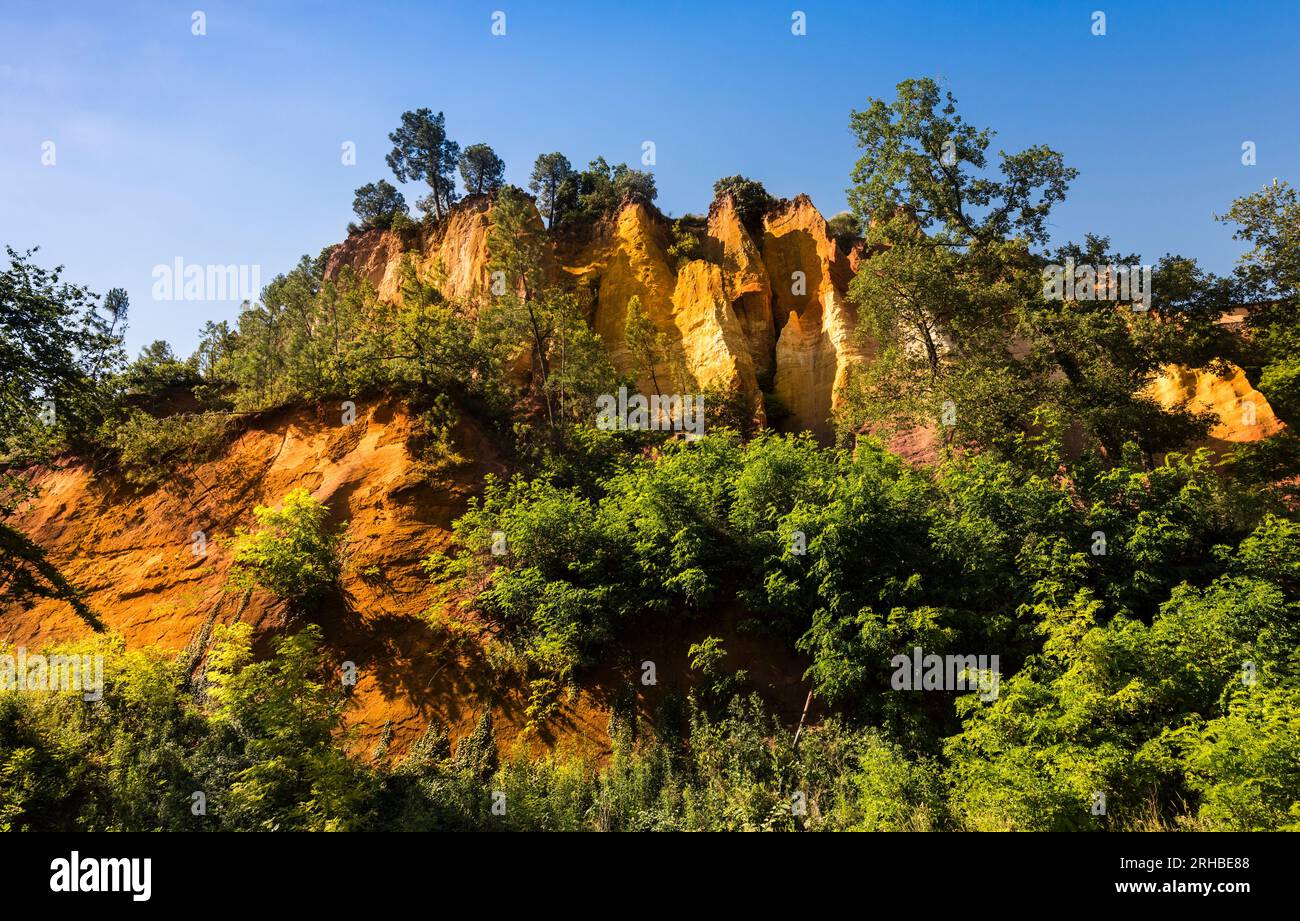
(225, 148)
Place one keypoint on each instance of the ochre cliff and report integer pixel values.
(760, 319)
(763, 314)
(747, 286)
(1242, 412)
(454, 256)
(815, 324)
(133, 555)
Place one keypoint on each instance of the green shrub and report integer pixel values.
(152, 451)
(686, 244)
(1246, 763)
(156, 371)
(749, 198)
(719, 685)
(292, 553)
(844, 229)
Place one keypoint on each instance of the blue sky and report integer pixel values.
(225, 148)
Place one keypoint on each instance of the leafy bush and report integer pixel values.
(292, 554)
(718, 684)
(152, 451)
(1246, 763)
(686, 244)
(378, 204)
(749, 198)
(844, 229)
(156, 371)
(310, 337)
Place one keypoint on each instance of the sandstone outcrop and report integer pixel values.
(456, 256)
(628, 258)
(133, 557)
(815, 347)
(726, 324)
(1243, 412)
(765, 318)
(746, 284)
(714, 345)
(374, 255)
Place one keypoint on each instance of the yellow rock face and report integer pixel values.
(375, 255)
(745, 283)
(627, 260)
(748, 317)
(1244, 413)
(691, 308)
(815, 323)
(454, 257)
(739, 320)
(457, 257)
(713, 340)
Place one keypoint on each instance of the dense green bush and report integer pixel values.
(293, 553)
(748, 197)
(152, 450)
(156, 372)
(377, 205)
(686, 244)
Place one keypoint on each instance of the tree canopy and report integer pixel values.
(423, 152)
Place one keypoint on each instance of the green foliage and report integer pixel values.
(686, 244)
(1280, 384)
(569, 366)
(310, 338)
(748, 197)
(153, 450)
(937, 315)
(377, 204)
(59, 356)
(919, 155)
(432, 351)
(264, 748)
(291, 774)
(950, 281)
(1098, 710)
(1270, 221)
(156, 373)
(717, 683)
(1244, 763)
(647, 345)
(1105, 658)
(600, 190)
(54, 346)
(551, 179)
(1269, 273)
(422, 151)
(844, 229)
(481, 170)
(293, 553)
